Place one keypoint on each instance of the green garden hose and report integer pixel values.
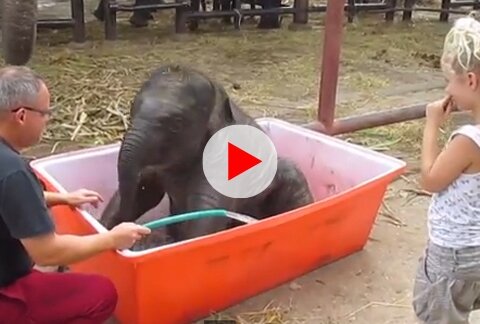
(197, 215)
(186, 216)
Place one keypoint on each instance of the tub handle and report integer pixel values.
(218, 259)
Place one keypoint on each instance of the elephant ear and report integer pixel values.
(137, 103)
(222, 113)
(221, 118)
(227, 110)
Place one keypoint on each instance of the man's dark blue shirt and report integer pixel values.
(23, 213)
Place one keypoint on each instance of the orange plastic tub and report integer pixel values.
(186, 281)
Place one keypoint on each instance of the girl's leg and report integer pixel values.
(447, 284)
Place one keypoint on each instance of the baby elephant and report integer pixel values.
(174, 114)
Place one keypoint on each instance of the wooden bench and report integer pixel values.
(112, 7)
(77, 21)
(454, 4)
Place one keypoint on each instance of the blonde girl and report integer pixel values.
(447, 283)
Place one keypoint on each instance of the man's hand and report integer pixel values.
(126, 234)
(73, 199)
(83, 196)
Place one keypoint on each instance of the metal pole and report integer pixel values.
(379, 118)
(371, 120)
(330, 62)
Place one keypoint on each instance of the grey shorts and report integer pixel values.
(447, 285)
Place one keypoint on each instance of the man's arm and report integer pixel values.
(53, 250)
(24, 211)
(55, 198)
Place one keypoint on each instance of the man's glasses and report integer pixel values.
(41, 112)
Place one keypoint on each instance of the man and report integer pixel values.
(139, 18)
(27, 234)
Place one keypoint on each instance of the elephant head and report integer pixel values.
(172, 117)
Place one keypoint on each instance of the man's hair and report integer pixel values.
(19, 85)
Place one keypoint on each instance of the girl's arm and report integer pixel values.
(439, 169)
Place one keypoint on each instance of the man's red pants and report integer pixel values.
(63, 298)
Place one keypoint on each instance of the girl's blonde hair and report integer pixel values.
(461, 48)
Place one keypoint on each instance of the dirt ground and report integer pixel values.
(275, 73)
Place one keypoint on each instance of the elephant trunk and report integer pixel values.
(136, 153)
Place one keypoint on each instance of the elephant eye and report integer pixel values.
(176, 125)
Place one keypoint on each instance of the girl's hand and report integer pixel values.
(438, 111)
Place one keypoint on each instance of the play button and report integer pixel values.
(239, 161)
